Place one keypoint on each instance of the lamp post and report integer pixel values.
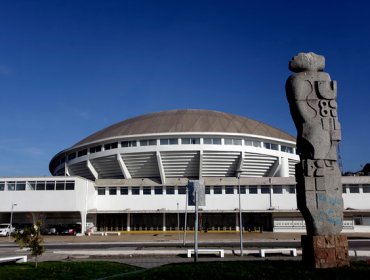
(238, 173)
(11, 217)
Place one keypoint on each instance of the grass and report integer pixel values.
(204, 270)
(63, 270)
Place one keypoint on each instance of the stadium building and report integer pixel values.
(133, 175)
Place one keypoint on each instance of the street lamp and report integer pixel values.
(11, 217)
(238, 173)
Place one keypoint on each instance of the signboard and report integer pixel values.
(196, 189)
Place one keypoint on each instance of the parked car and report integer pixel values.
(68, 229)
(6, 229)
(20, 227)
(50, 230)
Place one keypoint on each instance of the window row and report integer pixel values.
(37, 185)
(352, 188)
(171, 190)
(183, 141)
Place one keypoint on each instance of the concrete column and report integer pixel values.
(284, 167)
(164, 221)
(128, 221)
(83, 221)
(237, 221)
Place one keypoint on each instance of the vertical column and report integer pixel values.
(284, 167)
(128, 221)
(83, 221)
(164, 221)
(237, 221)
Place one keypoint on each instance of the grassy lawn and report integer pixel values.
(212, 270)
(63, 270)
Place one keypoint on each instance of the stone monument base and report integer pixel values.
(325, 251)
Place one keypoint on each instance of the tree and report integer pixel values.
(30, 237)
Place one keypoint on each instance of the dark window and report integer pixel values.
(291, 189)
(170, 190)
(158, 190)
(59, 185)
(2, 186)
(82, 153)
(181, 190)
(229, 190)
(366, 188)
(147, 190)
(344, 189)
(112, 191)
(354, 189)
(192, 141)
(212, 141)
(135, 190)
(253, 189)
(71, 156)
(95, 149)
(70, 185)
(124, 190)
(129, 143)
(286, 149)
(265, 190)
(50, 185)
(217, 190)
(40, 186)
(101, 191)
(208, 190)
(242, 189)
(21, 186)
(170, 141)
(277, 189)
(111, 146)
(148, 142)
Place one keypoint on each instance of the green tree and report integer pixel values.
(31, 237)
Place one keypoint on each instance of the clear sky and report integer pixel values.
(70, 68)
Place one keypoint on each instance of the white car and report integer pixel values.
(6, 229)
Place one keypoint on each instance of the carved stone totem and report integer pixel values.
(312, 100)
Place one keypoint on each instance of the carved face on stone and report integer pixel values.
(307, 62)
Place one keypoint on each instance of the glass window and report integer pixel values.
(212, 141)
(270, 146)
(2, 186)
(217, 190)
(31, 185)
(129, 143)
(111, 146)
(291, 189)
(253, 143)
(124, 190)
(59, 185)
(192, 141)
(286, 149)
(229, 190)
(50, 185)
(232, 141)
(135, 190)
(112, 191)
(11, 186)
(101, 191)
(70, 185)
(170, 141)
(253, 189)
(40, 185)
(147, 190)
(208, 190)
(148, 142)
(354, 189)
(20, 186)
(366, 188)
(344, 187)
(71, 156)
(158, 190)
(265, 190)
(95, 149)
(181, 190)
(82, 153)
(170, 190)
(277, 189)
(242, 189)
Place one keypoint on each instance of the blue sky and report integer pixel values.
(70, 68)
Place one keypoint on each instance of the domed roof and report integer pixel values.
(189, 120)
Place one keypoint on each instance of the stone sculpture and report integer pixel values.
(312, 99)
